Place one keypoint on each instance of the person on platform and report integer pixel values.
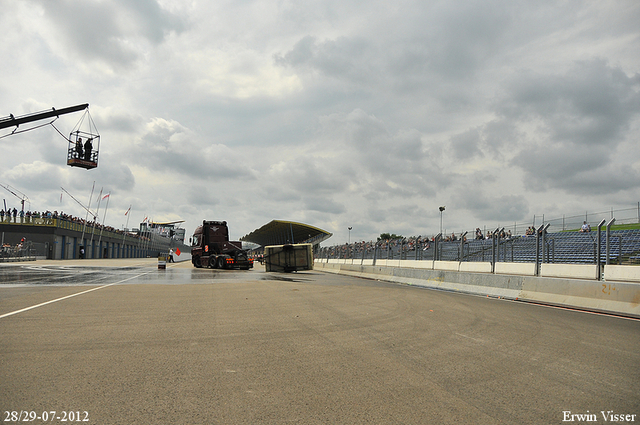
(87, 150)
(79, 152)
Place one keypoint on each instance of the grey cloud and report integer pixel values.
(200, 195)
(117, 121)
(325, 205)
(590, 105)
(571, 125)
(577, 171)
(37, 176)
(108, 30)
(494, 207)
(166, 145)
(116, 174)
(343, 58)
(466, 145)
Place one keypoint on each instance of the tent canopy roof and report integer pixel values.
(280, 232)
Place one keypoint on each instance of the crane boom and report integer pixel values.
(11, 121)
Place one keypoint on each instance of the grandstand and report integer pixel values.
(560, 247)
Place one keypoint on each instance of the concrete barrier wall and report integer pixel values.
(475, 267)
(446, 265)
(575, 271)
(413, 264)
(614, 297)
(622, 273)
(524, 269)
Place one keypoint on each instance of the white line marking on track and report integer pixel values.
(70, 296)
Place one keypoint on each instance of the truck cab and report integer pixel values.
(211, 247)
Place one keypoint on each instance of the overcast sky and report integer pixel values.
(334, 113)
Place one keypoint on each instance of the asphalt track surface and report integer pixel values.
(130, 344)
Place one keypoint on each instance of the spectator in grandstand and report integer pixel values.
(586, 228)
(478, 233)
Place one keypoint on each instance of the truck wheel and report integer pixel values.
(220, 263)
(196, 262)
(212, 262)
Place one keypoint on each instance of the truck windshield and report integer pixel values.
(196, 240)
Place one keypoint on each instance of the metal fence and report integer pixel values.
(20, 252)
(627, 215)
(602, 246)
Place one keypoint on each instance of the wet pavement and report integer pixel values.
(128, 343)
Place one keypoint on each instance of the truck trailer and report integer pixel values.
(211, 247)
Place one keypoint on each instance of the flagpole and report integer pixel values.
(124, 230)
(84, 226)
(149, 243)
(95, 218)
(104, 217)
(140, 232)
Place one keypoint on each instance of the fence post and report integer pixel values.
(493, 248)
(598, 250)
(539, 233)
(462, 236)
(613, 220)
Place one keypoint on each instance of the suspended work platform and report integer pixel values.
(84, 139)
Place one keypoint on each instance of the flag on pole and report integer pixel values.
(106, 196)
(127, 212)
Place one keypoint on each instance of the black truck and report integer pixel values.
(211, 247)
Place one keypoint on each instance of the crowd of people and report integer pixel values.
(19, 250)
(424, 243)
(47, 217)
